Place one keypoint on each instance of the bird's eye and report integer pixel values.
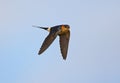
(66, 26)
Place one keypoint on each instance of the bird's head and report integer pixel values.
(66, 26)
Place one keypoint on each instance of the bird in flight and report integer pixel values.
(63, 31)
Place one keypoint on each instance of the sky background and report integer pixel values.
(94, 48)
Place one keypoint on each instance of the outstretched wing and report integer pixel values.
(48, 40)
(64, 42)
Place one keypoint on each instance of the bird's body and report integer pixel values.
(60, 30)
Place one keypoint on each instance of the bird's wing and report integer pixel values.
(64, 41)
(48, 40)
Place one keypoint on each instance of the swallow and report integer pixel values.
(63, 31)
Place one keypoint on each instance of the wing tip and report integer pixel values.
(40, 52)
(64, 58)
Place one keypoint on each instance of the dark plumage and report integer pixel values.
(63, 32)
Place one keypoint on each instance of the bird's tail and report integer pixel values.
(45, 28)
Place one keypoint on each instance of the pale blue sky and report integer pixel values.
(94, 49)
